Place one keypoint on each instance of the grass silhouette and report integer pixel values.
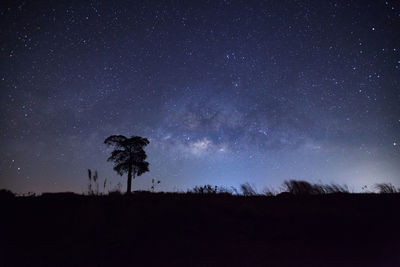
(386, 188)
(209, 227)
(305, 188)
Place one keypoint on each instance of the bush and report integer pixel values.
(205, 189)
(386, 188)
(248, 190)
(269, 192)
(209, 189)
(6, 194)
(335, 189)
(300, 188)
(305, 188)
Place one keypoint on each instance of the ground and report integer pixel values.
(147, 229)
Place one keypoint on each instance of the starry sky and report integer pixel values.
(227, 92)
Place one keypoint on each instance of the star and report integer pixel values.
(224, 92)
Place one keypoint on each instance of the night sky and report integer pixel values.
(227, 92)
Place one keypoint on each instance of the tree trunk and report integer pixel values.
(128, 190)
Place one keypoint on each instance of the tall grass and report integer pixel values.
(248, 190)
(386, 188)
(210, 189)
(269, 192)
(6, 194)
(334, 189)
(205, 189)
(213, 189)
(305, 188)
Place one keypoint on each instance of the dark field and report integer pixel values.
(201, 230)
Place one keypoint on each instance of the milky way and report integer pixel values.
(227, 92)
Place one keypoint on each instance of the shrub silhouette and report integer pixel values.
(305, 188)
(211, 228)
(225, 190)
(93, 178)
(128, 156)
(269, 192)
(6, 194)
(248, 190)
(209, 189)
(334, 189)
(154, 184)
(299, 187)
(205, 189)
(386, 188)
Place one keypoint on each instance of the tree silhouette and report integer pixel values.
(128, 156)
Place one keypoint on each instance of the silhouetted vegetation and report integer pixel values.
(248, 190)
(334, 189)
(209, 189)
(6, 194)
(269, 192)
(128, 156)
(204, 229)
(93, 179)
(291, 187)
(305, 188)
(207, 225)
(94, 185)
(386, 188)
(154, 184)
(299, 188)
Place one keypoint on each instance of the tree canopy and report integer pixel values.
(128, 156)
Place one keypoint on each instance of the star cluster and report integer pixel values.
(226, 91)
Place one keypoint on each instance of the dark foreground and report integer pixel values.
(200, 230)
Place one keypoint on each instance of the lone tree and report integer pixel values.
(128, 156)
